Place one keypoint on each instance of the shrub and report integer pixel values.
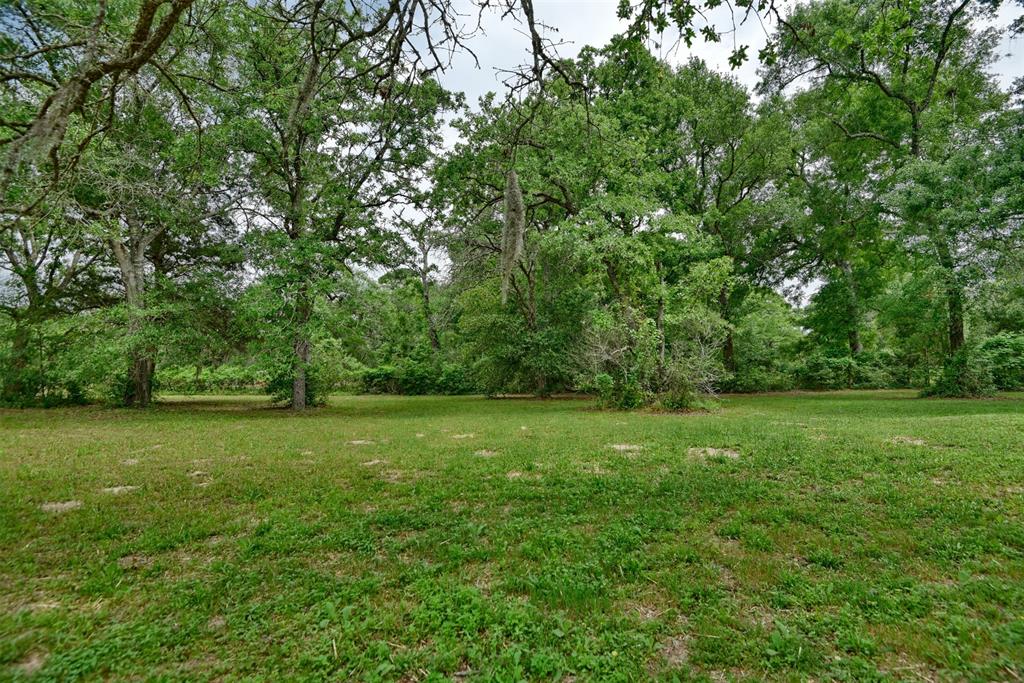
(1005, 355)
(868, 370)
(819, 371)
(754, 379)
(967, 374)
(227, 378)
(621, 394)
(416, 377)
(382, 379)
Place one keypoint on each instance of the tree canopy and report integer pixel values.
(283, 197)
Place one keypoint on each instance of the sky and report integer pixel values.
(504, 45)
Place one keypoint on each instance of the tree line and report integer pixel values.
(232, 196)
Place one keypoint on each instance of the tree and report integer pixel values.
(333, 129)
(905, 77)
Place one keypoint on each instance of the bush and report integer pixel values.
(416, 377)
(754, 379)
(228, 378)
(868, 370)
(624, 394)
(967, 374)
(1004, 353)
(382, 379)
(819, 371)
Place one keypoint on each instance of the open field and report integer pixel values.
(855, 535)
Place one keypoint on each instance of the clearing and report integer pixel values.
(864, 535)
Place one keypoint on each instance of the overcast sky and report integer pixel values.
(593, 22)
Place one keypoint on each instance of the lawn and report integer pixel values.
(861, 535)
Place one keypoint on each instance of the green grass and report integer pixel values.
(857, 536)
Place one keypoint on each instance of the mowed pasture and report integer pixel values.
(860, 535)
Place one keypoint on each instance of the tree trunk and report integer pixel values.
(16, 389)
(954, 298)
(955, 308)
(853, 310)
(139, 391)
(131, 261)
(435, 340)
(728, 346)
(299, 379)
(300, 393)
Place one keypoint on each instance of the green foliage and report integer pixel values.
(765, 335)
(867, 370)
(1004, 353)
(417, 377)
(227, 378)
(967, 374)
(276, 198)
(279, 387)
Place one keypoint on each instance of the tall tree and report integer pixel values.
(920, 69)
(333, 128)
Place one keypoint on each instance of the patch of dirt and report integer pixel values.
(727, 577)
(625, 447)
(216, 623)
(729, 547)
(394, 477)
(675, 650)
(118, 490)
(202, 484)
(41, 606)
(420, 435)
(372, 463)
(135, 562)
(908, 441)
(61, 506)
(197, 473)
(643, 611)
(463, 436)
(515, 474)
(31, 664)
(360, 442)
(708, 452)
(130, 461)
(762, 617)
(594, 468)
(485, 453)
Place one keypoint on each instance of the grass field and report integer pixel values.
(854, 535)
